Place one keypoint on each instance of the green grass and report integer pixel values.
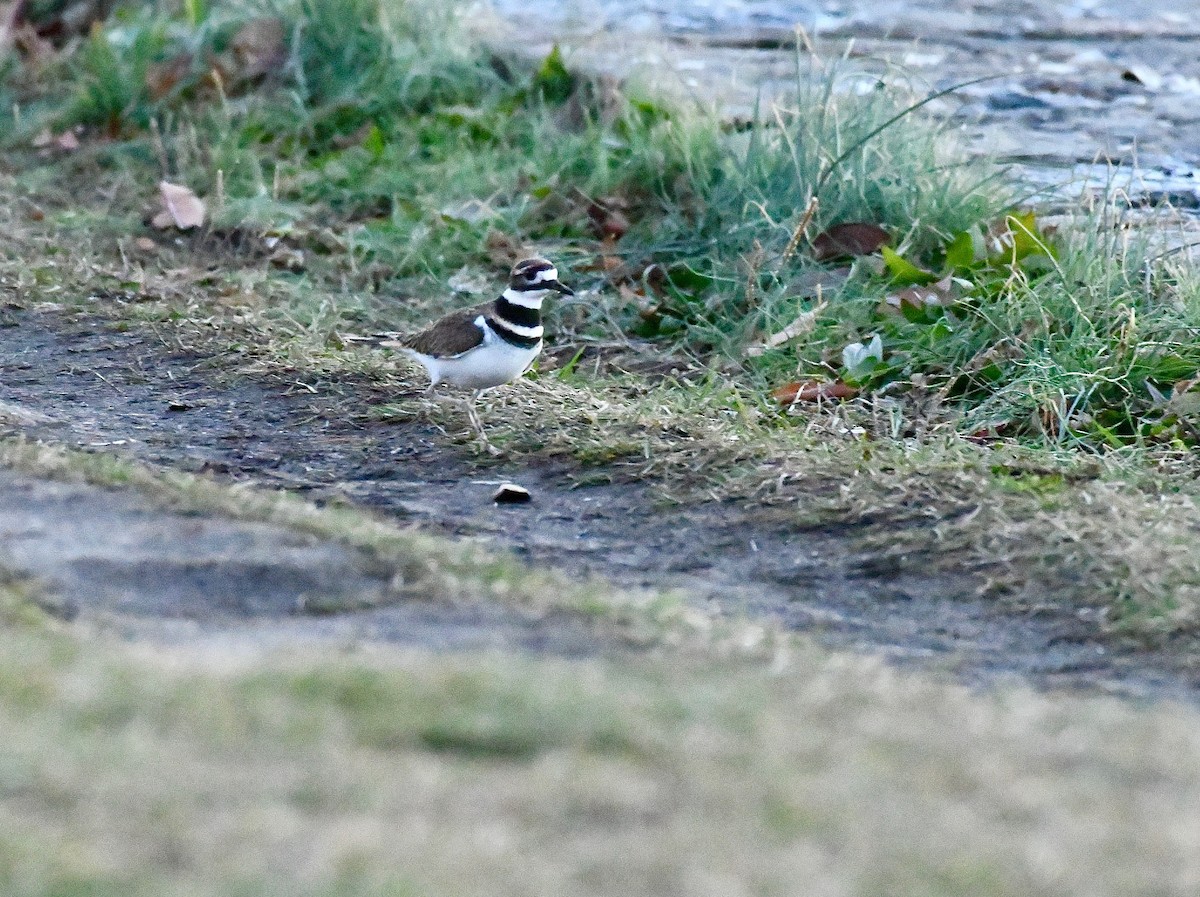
(393, 148)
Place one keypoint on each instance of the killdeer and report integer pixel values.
(490, 344)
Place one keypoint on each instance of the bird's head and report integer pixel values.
(534, 279)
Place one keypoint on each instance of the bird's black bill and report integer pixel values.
(562, 288)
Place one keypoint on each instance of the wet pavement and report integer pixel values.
(1079, 95)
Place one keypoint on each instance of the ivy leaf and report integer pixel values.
(961, 251)
(552, 79)
(904, 272)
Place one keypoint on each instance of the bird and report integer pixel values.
(487, 345)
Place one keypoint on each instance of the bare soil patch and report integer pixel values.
(100, 385)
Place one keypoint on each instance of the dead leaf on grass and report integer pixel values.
(941, 294)
(813, 391)
(46, 139)
(162, 77)
(182, 207)
(504, 250)
(608, 220)
(854, 238)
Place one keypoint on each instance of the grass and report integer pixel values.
(388, 149)
(389, 153)
(128, 772)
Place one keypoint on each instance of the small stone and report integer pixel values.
(511, 494)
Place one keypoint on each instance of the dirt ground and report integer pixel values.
(78, 380)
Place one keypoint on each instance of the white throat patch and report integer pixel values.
(525, 298)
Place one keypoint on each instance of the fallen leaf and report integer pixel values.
(182, 208)
(813, 391)
(941, 294)
(145, 244)
(504, 250)
(854, 238)
(903, 271)
(608, 221)
(162, 77)
(1016, 236)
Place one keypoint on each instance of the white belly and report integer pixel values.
(491, 364)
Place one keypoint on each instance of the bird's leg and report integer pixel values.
(477, 425)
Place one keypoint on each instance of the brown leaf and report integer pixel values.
(182, 208)
(942, 294)
(504, 250)
(608, 221)
(813, 391)
(161, 77)
(854, 238)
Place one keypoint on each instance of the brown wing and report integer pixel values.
(452, 335)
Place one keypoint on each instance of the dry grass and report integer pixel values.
(131, 772)
(1115, 535)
